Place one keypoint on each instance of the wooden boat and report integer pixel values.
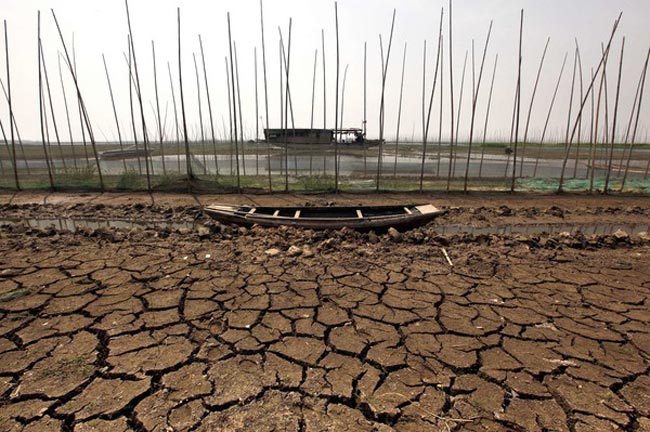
(360, 218)
(119, 154)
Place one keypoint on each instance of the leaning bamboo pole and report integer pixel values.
(40, 104)
(425, 135)
(530, 108)
(548, 115)
(605, 135)
(399, 108)
(117, 121)
(85, 115)
(487, 117)
(284, 156)
(382, 105)
(573, 81)
(178, 136)
(201, 129)
(207, 93)
(79, 111)
(67, 111)
(460, 106)
(592, 158)
(241, 117)
(145, 136)
(475, 91)
(188, 161)
(234, 103)
(266, 100)
(11, 111)
(628, 129)
(575, 125)
(451, 95)
(514, 158)
(636, 124)
(52, 114)
(613, 136)
(160, 130)
(313, 98)
(131, 111)
(442, 101)
(230, 128)
(20, 140)
(579, 137)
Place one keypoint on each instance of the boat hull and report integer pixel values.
(367, 218)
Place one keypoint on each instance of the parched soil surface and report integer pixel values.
(277, 329)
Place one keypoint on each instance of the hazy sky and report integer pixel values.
(101, 27)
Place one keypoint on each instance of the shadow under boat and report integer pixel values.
(319, 218)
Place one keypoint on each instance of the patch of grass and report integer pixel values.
(130, 180)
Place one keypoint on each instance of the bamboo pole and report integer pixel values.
(241, 117)
(336, 105)
(79, 110)
(579, 137)
(234, 103)
(51, 104)
(202, 130)
(424, 88)
(160, 130)
(575, 125)
(530, 108)
(383, 101)
(425, 135)
(595, 140)
(442, 101)
(628, 129)
(514, 158)
(451, 95)
(207, 93)
(487, 117)
(132, 112)
(345, 77)
(365, 111)
(613, 139)
(460, 105)
(145, 137)
(20, 140)
(230, 127)
(117, 121)
(41, 102)
(548, 116)
(257, 120)
(636, 124)
(188, 161)
(283, 159)
(568, 122)
(605, 136)
(266, 99)
(475, 92)
(399, 109)
(178, 136)
(322, 34)
(313, 98)
(11, 111)
(85, 115)
(67, 111)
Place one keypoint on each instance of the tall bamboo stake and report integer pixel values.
(628, 129)
(568, 122)
(178, 136)
(365, 111)
(188, 161)
(241, 117)
(85, 115)
(51, 104)
(20, 140)
(579, 137)
(442, 101)
(117, 121)
(592, 158)
(202, 130)
(313, 98)
(257, 120)
(399, 109)
(451, 95)
(322, 35)
(575, 125)
(283, 160)
(425, 135)
(514, 158)
(382, 105)
(530, 108)
(636, 124)
(132, 112)
(67, 111)
(41, 102)
(613, 139)
(79, 110)
(266, 100)
(548, 116)
(207, 93)
(475, 92)
(605, 135)
(234, 103)
(145, 137)
(424, 88)
(230, 127)
(460, 106)
(11, 111)
(487, 117)
(160, 130)
(336, 105)
(345, 78)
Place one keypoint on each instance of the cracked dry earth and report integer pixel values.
(175, 334)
